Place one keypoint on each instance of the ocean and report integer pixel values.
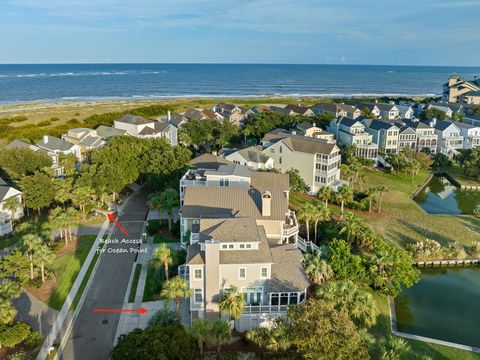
(90, 82)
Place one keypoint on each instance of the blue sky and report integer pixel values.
(420, 32)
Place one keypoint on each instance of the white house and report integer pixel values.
(7, 192)
(450, 139)
(471, 135)
(140, 127)
(252, 157)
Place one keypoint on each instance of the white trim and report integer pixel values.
(194, 273)
(195, 292)
(261, 272)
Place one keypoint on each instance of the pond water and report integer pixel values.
(440, 196)
(444, 305)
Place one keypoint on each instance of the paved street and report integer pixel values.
(93, 334)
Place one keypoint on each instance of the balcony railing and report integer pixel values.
(262, 309)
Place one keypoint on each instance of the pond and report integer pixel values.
(440, 196)
(444, 305)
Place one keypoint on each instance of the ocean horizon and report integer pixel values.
(29, 83)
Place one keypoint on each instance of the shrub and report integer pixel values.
(153, 227)
(33, 340)
(19, 118)
(164, 317)
(73, 122)
(53, 119)
(19, 355)
(14, 334)
(43, 123)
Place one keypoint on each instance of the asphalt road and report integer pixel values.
(93, 334)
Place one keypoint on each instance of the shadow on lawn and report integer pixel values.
(425, 233)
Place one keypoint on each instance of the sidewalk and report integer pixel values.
(129, 321)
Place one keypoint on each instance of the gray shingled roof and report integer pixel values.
(253, 154)
(275, 135)
(238, 229)
(378, 124)
(417, 125)
(308, 145)
(54, 144)
(442, 124)
(346, 121)
(230, 169)
(133, 119)
(263, 180)
(208, 161)
(232, 201)
(287, 270)
(177, 119)
(107, 132)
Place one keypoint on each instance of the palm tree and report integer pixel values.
(166, 201)
(175, 289)
(274, 339)
(379, 262)
(359, 303)
(325, 194)
(371, 192)
(7, 313)
(162, 257)
(31, 243)
(343, 194)
(305, 214)
(44, 257)
(320, 213)
(200, 331)
(394, 347)
(381, 190)
(352, 226)
(233, 303)
(12, 204)
(59, 221)
(71, 219)
(220, 333)
(83, 196)
(317, 269)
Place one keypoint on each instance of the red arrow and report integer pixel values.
(112, 218)
(141, 310)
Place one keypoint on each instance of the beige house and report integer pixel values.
(456, 87)
(252, 157)
(346, 110)
(86, 139)
(313, 131)
(243, 237)
(471, 98)
(317, 161)
(426, 136)
(143, 128)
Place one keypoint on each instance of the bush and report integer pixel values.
(33, 340)
(14, 334)
(20, 355)
(153, 227)
(73, 122)
(164, 317)
(19, 118)
(43, 123)
(54, 119)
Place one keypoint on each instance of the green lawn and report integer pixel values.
(403, 221)
(81, 289)
(133, 289)
(457, 173)
(418, 348)
(66, 269)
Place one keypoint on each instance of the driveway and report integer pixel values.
(93, 334)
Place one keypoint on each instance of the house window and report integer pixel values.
(264, 272)
(198, 274)
(242, 246)
(242, 273)
(280, 149)
(248, 246)
(224, 182)
(280, 160)
(198, 296)
(231, 246)
(224, 246)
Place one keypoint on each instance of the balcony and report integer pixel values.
(265, 309)
(290, 226)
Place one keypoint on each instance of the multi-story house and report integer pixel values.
(312, 130)
(407, 137)
(443, 108)
(223, 175)
(471, 135)
(345, 110)
(372, 108)
(6, 215)
(317, 161)
(54, 147)
(456, 86)
(235, 114)
(450, 139)
(143, 128)
(385, 134)
(56, 167)
(405, 111)
(426, 136)
(283, 110)
(243, 237)
(471, 98)
(86, 139)
(176, 119)
(107, 132)
(252, 157)
(348, 132)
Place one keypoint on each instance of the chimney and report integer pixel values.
(294, 132)
(168, 116)
(376, 101)
(314, 125)
(214, 152)
(45, 139)
(433, 122)
(266, 203)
